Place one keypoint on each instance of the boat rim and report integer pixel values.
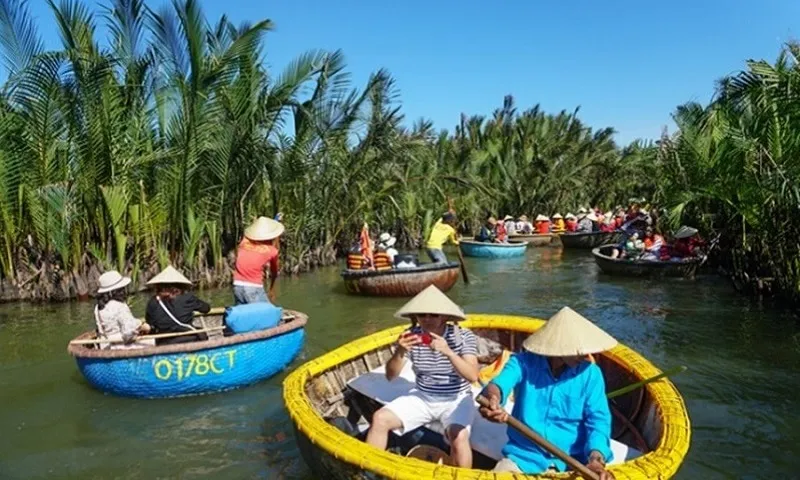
(81, 351)
(427, 267)
(515, 244)
(665, 458)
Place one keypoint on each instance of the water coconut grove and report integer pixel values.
(154, 163)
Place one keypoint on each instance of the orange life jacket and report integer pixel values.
(382, 261)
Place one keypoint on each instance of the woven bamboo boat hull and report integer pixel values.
(534, 240)
(589, 240)
(316, 395)
(492, 250)
(195, 368)
(401, 282)
(643, 268)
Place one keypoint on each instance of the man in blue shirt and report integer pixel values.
(559, 393)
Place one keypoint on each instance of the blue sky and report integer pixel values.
(627, 64)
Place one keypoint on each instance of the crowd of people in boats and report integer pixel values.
(556, 387)
(170, 309)
(642, 238)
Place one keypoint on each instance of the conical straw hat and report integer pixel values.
(264, 229)
(432, 301)
(557, 215)
(169, 275)
(567, 333)
(685, 232)
(542, 218)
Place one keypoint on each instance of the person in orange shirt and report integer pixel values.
(256, 253)
(571, 223)
(542, 224)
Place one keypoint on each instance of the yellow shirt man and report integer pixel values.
(442, 231)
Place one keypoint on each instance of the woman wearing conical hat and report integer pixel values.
(171, 309)
(559, 394)
(445, 363)
(257, 252)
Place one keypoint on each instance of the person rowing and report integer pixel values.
(559, 393)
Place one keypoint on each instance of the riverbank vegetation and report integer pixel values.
(161, 144)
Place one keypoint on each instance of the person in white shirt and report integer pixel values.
(510, 224)
(386, 241)
(113, 317)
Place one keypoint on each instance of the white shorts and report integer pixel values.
(418, 408)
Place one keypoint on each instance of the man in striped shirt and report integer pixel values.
(444, 359)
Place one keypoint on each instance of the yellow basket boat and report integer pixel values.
(651, 421)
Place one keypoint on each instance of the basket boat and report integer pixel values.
(323, 404)
(589, 240)
(195, 368)
(399, 282)
(534, 239)
(686, 268)
(472, 248)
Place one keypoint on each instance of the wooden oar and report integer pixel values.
(634, 386)
(463, 267)
(542, 442)
(145, 337)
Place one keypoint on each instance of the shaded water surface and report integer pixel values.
(741, 388)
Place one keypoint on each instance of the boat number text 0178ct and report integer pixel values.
(180, 368)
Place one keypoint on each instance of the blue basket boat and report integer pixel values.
(471, 248)
(196, 368)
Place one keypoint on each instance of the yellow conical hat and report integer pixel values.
(432, 301)
(568, 333)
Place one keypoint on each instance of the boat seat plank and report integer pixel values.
(487, 437)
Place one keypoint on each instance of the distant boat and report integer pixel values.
(686, 268)
(472, 248)
(534, 239)
(194, 368)
(589, 240)
(401, 282)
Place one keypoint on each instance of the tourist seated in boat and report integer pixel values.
(442, 232)
(510, 224)
(687, 244)
(113, 317)
(586, 222)
(524, 227)
(386, 244)
(256, 253)
(655, 249)
(558, 224)
(619, 218)
(171, 309)
(486, 233)
(571, 222)
(608, 224)
(444, 359)
(560, 393)
(542, 224)
(500, 234)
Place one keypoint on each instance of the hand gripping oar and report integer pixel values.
(542, 442)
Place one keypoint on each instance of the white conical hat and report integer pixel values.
(264, 229)
(557, 215)
(685, 232)
(169, 275)
(570, 215)
(431, 300)
(568, 333)
(591, 216)
(542, 218)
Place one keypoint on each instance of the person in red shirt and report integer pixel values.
(687, 243)
(500, 235)
(257, 252)
(571, 223)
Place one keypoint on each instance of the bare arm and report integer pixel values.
(466, 366)
(398, 360)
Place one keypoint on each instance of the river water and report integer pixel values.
(741, 388)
